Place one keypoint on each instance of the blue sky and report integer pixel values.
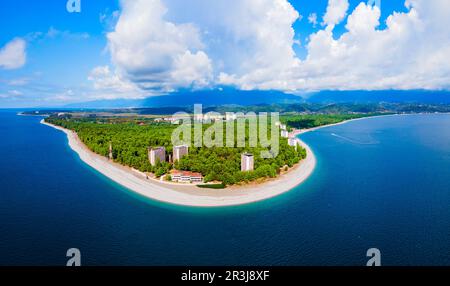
(138, 48)
(58, 60)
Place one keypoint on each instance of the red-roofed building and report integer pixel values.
(186, 176)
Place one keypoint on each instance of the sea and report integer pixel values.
(379, 183)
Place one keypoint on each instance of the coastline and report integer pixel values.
(297, 132)
(191, 195)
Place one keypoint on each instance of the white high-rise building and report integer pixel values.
(247, 162)
(156, 154)
(179, 152)
(292, 141)
(284, 133)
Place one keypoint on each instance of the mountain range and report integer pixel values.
(230, 96)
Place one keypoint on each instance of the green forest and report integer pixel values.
(315, 120)
(131, 140)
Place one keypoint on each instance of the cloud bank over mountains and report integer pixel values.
(163, 45)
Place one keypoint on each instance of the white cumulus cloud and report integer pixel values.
(156, 53)
(163, 45)
(408, 54)
(111, 85)
(312, 19)
(336, 11)
(13, 54)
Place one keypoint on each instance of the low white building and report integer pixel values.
(209, 117)
(186, 176)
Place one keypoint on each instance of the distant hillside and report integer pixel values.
(225, 96)
(230, 96)
(413, 96)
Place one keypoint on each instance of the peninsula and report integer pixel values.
(223, 183)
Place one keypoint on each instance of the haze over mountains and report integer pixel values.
(222, 96)
(229, 96)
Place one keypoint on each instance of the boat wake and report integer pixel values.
(373, 142)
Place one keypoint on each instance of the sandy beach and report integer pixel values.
(191, 195)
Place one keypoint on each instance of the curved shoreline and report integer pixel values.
(191, 195)
(303, 131)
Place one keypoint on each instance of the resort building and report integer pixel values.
(157, 154)
(292, 141)
(283, 126)
(186, 176)
(230, 116)
(176, 119)
(179, 152)
(210, 116)
(247, 162)
(284, 133)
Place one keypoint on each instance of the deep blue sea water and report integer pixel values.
(380, 182)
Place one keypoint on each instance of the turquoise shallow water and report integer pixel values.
(379, 182)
